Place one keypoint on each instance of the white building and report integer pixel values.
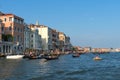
(62, 38)
(67, 43)
(35, 40)
(51, 38)
(32, 39)
(27, 32)
(46, 35)
(116, 50)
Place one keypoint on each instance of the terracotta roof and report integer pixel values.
(12, 15)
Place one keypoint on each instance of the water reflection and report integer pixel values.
(9, 67)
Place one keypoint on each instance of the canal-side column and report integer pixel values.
(11, 48)
(0, 49)
(3, 48)
(6, 48)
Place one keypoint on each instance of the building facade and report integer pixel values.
(1, 31)
(55, 39)
(101, 50)
(87, 49)
(5, 46)
(14, 25)
(32, 39)
(68, 45)
(35, 40)
(27, 32)
(61, 36)
(46, 35)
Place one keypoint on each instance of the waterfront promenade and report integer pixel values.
(64, 68)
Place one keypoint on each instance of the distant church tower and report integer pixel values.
(37, 22)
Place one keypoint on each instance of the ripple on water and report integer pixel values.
(60, 72)
(72, 78)
(79, 72)
(48, 77)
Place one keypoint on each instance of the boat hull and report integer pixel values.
(14, 56)
(97, 58)
(75, 55)
(51, 57)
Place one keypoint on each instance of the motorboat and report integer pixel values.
(97, 58)
(14, 56)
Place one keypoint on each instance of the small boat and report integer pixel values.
(97, 58)
(2, 55)
(26, 56)
(76, 55)
(34, 57)
(51, 57)
(14, 56)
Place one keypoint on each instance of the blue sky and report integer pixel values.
(94, 23)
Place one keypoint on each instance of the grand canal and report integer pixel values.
(64, 68)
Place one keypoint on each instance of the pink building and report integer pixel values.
(14, 26)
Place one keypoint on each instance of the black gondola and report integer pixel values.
(75, 55)
(51, 57)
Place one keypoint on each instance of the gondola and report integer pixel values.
(51, 57)
(75, 55)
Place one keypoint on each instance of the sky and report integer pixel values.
(94, 23)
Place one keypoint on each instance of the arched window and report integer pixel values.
(15, 28)
(21, 30)
(18, 37)
(2, 28)
(31, 35)
(18, 29)
(14, 47)
(10, 28)
(0, 49)
(5, 19)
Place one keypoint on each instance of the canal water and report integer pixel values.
(65, 68)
